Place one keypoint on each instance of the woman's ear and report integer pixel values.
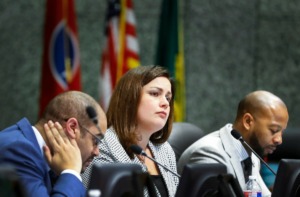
(247, 121)
(72, 127)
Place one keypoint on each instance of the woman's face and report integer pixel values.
(154, 108)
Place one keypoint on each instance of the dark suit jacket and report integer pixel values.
(19, 147)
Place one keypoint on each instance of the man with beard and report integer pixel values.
(261, 119)
(50, 155)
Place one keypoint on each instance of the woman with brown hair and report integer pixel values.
(141, 113)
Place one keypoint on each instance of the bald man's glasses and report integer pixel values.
(97, 139)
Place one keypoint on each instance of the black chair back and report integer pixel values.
(183, 135)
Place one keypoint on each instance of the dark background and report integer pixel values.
(232, 47)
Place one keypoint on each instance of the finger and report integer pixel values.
(60, 129)
(62, 133)
(55, 129)
(51, 140)
(73, 142)
(47, 153)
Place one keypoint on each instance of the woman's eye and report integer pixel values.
(154, 93)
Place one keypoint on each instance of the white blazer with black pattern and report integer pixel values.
(111, 151)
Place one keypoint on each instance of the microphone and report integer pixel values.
(93, 116)
(238, 136)
(139, 151)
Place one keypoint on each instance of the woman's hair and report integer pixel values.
(124, 103)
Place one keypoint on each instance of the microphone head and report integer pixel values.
(92, 114)
(236, 135)
(136, 149)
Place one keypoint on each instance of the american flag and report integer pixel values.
(121, 51)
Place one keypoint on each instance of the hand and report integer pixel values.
(61, 152)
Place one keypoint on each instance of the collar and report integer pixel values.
(40, 140)
(241, 151)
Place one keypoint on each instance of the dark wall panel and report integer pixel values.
(231, 48)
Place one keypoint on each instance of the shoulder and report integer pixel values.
(15, 129)
(164, 148)
(162, 151)
(19, 136)
(211, 140)
(26, 159)
(111, 145)
(16, 146)
(208, 149)
(21, 132)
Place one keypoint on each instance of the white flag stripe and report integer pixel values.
(115, 34)
(106, 86)
(130, 17)
(132, 44)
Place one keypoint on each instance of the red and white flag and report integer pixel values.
(121, 51)
(61, 62)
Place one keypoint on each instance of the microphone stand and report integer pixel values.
(144, 154)
(139, 151)
(257, 156)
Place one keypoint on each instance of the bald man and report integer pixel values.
(63, 142)
(261, 119)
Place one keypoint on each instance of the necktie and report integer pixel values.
(247, 165)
